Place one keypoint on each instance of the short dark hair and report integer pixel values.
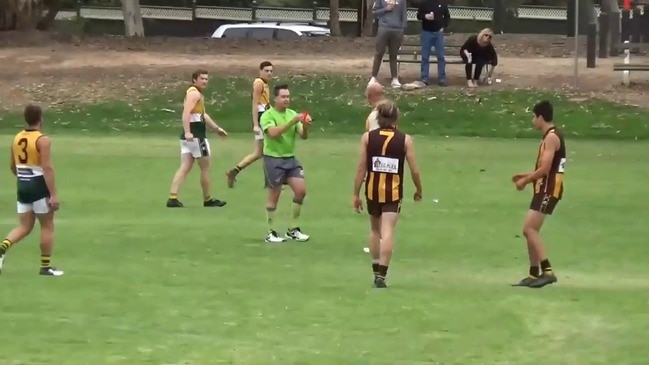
(33, 114)
(544, 109)
(387, 113)
(265, 64)
(197, 73)
(277, 88)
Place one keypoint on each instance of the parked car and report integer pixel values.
(279, 31)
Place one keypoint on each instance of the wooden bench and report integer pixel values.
(627, 68)
(411, 53)
(631, 67)
(633, 47)
(414, 50)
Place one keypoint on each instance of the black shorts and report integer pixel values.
(544, 203)
(375, 209)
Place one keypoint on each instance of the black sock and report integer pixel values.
(383, 271)
(375, 268)
(236, 169)
(534, 271)
(545, 266)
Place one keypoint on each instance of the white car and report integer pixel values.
(279, 31)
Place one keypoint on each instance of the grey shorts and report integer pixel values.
(278, 169)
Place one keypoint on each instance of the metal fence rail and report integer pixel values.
(294, 14)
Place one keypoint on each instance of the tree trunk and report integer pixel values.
(7, 16)
(610, 6)
(369, 20)
(133, 25)
(28, 13)
(334, 18)
(53, 8)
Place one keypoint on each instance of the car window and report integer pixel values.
(235, 33)
(283, 34)
(316, 34)
(261, 33)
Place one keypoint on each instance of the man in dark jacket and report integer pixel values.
(434, 17)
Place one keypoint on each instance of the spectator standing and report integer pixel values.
(478, 51)
(392, 18)
(434, 17)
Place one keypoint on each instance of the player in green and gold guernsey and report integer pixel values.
(281, 126)
(193, 142)
(31, 163)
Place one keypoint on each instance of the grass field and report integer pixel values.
(338, 106)
(150, 285)
(196, 286)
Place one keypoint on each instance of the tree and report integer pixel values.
(7, 16)
(369, 18)
(133, 25)
(334, 17)
(28, 14)
(53, 8)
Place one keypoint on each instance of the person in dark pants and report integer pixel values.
(434, 17)
(478, 52)
(393, 19)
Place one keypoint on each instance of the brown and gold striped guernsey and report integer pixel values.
(386, 152)
(552, 183)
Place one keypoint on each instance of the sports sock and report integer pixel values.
(270, 218)
(383, 271)
(207, 198)
(534, 271)
(375, 268)
(173, 196)
(4, 246)
(45, 262)
(546, 267)
(237, 169)
(295, 216)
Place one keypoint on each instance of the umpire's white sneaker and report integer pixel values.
(297, 235)
(273, 237)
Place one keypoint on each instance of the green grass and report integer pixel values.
(338, 106)
(149, 285)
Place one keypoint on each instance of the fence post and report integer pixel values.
(193, 10)
(78, 9)
(603, 35)
(570, 15)
(614, 26)
(360, 17)
(315, 12)
(498, 17)
(645, 26)
(253, 13)
(636, 27)
(591, 45)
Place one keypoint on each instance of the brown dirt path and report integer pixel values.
(40, 69)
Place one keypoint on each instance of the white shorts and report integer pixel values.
(259, 136)
(198, 147)
(38, 207)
